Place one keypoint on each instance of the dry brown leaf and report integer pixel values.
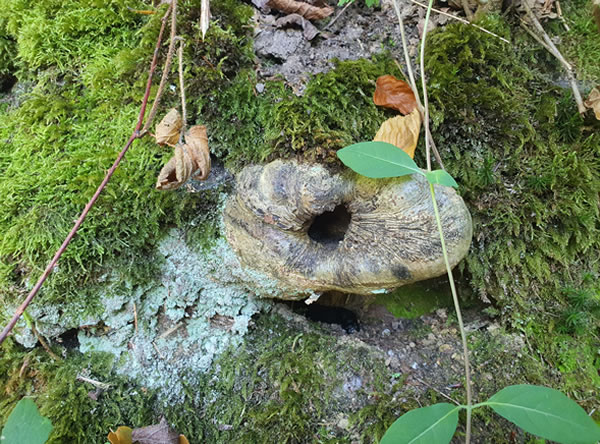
(307, 11)
(167, 131)
(197, 141)
(593, 101)
(401, 131)
(121, 436)
(596, 11)
(156, 434)
(394, 93)
(309, 31)
(191, 159)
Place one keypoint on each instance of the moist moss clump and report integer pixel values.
(529, 169)
(86, 66)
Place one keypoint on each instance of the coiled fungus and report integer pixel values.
(317, 231)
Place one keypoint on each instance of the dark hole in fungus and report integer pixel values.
(330, 227)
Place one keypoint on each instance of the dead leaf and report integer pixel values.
(394, 93)
(155, 434)
(596, 11)
(167, 131)
(401, 131)
(197, 141)
(121, 436)
(309, 31)
(307, 11)
(191, 159)
(593, 101)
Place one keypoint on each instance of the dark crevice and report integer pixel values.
(330, 227)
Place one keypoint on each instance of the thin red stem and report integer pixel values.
(63, 247)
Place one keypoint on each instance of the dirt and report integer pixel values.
(353, 33)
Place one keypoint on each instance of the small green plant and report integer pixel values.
(538, 410)
(26, 425)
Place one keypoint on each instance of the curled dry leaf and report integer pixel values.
(307, 11)
(191, 159)
(394, 93)
(593, 101)
(309, 31)
(167, 131)
(401, 131)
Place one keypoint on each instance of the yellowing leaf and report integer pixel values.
(191, 159)
(401, 131)
(593, 101)
(121, 436)
(394, 93)
(168, 130)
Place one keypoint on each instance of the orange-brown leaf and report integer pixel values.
(167, 131)
(394, 93)
(593, 101)
(401, 131)
(121, 436)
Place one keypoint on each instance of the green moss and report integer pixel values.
(415, 300)
(88, 61)
(335, 110)
(529, 170)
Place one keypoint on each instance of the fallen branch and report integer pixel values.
(135, 135)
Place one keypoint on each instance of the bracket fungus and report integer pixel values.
(317, 231)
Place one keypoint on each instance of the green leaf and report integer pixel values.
(440, 177)
(26, 425)
(545, 412)
(378, 159)
(435, 424)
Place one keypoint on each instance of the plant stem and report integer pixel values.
(424, 83)
(463, 334)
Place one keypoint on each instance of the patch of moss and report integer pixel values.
(529, 170)
(335, 110)
(88, 63)
(294, 383)
(415, 300)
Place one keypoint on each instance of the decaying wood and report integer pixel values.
(307, 11)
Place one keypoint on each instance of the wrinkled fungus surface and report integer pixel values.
(319, 231)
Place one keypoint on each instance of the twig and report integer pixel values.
(438, 391)
(135, 320)
(556, 53)
(135, 135)
(44, 343)
(413, 84)
(181, 86)
(560, 16)
(24, 366)
(330, 24)
(166, 69)
(170, 331)
(98, 384)
(158, 351)
(462, 20)
(467, 9)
